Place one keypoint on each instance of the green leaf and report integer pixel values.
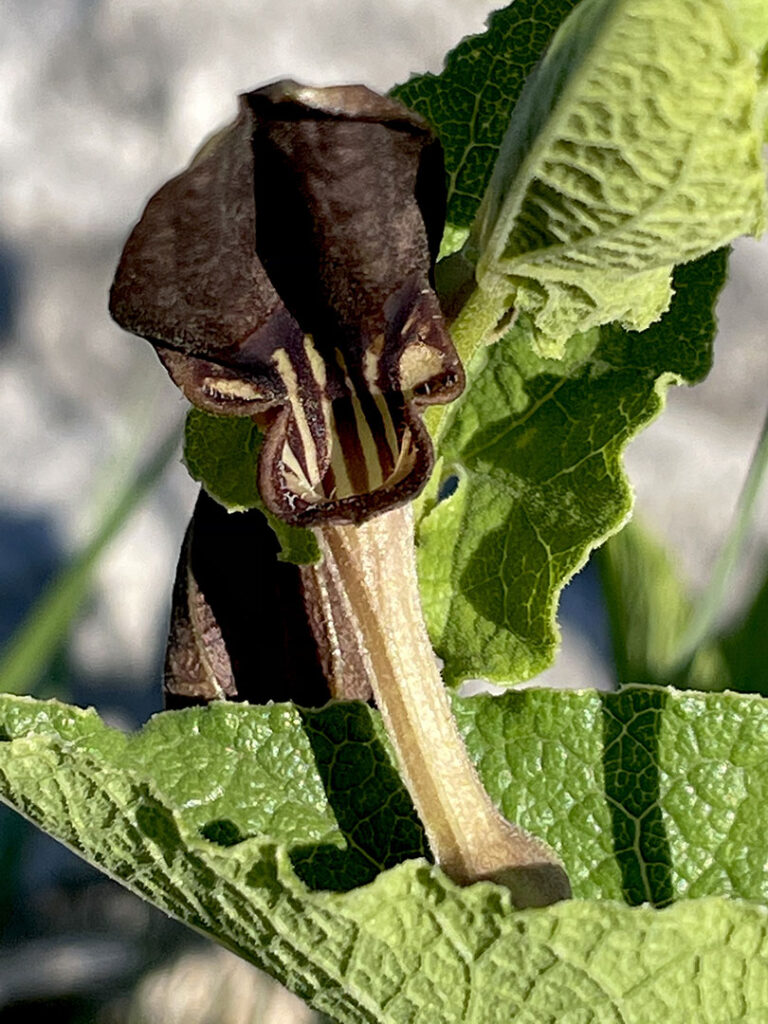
(751, 18)
(231, 818)
(222, 452)
(469, 104)
(536, 447)
(635, 145)
(648, 794)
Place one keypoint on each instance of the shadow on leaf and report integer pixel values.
(373, 810)
(372, 806)
(631, 725)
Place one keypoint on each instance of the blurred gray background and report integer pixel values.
(101, 102)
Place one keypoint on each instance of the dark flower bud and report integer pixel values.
(287, 274)
(229, 640)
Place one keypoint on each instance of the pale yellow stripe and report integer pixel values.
(319, 373)
(288, 375)
(364, 432)
(401, 468)
(292, 464)
(316, 362)
(295, 478)
(389, 425)
(371, 361)
(338, 463)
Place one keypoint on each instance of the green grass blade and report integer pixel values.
(706, 612)
(34, 644)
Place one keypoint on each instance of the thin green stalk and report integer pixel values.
(701, 625)
(473, 315)
(33, 645)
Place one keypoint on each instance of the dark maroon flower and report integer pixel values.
(287, 275)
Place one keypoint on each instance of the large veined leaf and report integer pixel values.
(236, 818)
(495, 555)
(469, 104)
(536, 446)
(635, 145)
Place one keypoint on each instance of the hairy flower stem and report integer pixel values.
(373, 566)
